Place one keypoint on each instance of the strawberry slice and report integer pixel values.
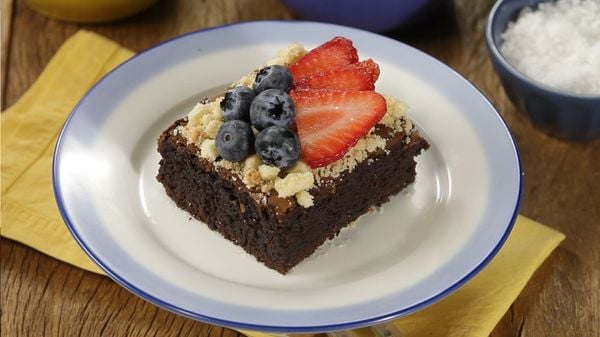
(356, 76)
(334, 53)
(330, 122)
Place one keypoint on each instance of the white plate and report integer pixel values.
(426, 242)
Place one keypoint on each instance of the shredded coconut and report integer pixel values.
(557, 44)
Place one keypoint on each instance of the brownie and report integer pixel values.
(278, 231)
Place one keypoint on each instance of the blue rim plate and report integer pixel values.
(424, 244)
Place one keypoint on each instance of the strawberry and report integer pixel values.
(334, 53)
(356, 76)
(330, 122)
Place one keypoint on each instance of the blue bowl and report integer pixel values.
(560, 114)
(376, 16)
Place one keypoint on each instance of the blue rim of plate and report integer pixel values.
(272, 328)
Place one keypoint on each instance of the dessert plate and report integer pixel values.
(420, 247)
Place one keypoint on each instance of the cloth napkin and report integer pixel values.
(30, 215)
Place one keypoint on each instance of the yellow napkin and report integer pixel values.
(30, 215)
(29, 131)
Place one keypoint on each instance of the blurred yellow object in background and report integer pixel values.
(89, 11)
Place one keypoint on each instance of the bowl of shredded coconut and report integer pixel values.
(547, 55)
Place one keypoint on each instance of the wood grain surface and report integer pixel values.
(43, 297)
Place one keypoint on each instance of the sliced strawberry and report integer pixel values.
(356, 76)
(330, 122)
(335, 53)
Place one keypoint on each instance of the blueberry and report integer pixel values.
(272, 107)
(234, 140)
(273, 77)
(236, 103)
(278, 146)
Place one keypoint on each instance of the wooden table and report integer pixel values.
(44, 297)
